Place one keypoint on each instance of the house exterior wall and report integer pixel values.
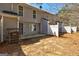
(5, 6)
(44, 26)
(8, 23)
(27, 29)
(8, 7)
(27, 10)
(27, 18)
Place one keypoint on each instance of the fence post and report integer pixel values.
(70, 29)
(57, 32)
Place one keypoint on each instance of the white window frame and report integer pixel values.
(18, 9)
(33, 14)
(33, 27)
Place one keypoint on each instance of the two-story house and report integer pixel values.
(25, 19)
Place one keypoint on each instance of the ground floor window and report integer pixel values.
(33, 27)
(21, 28)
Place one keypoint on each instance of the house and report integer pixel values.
(23, 18)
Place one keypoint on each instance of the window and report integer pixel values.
(21, 28)
(33, 27)
(20, 10)
(34, 14)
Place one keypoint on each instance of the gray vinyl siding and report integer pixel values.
(27, 29)
(9, 23)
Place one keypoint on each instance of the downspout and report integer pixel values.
(2, 32)
(41, 18)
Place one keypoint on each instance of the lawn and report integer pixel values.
(66, 45)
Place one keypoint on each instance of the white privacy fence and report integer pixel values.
(53, 30)
(57, 29)
(66, 29)
(69, 29)
(74, 29)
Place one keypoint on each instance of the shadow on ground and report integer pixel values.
(11, 49)
(14, 49)
(33, 40)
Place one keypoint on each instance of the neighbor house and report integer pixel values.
(24, 18)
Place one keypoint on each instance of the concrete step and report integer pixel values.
(32, 36)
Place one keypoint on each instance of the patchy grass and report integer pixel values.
(66, 45)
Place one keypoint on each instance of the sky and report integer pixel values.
(50, 7)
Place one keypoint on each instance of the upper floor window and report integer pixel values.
(20, 10)
(34, 14)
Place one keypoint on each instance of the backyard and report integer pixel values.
(66, 45)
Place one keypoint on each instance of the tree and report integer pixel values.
(67, 15)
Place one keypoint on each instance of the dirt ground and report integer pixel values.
(66, 45)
